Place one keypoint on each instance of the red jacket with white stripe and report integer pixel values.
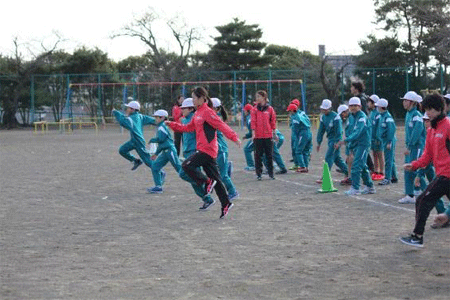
(205, 123)
(176, 113)
(264, 121)
(437, 149)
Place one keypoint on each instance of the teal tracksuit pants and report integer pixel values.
(359, 167)
(222, 163)
(414, 154)
(248, 152)
(199, 190)
(303, 149)
(390, 169)
(167, 155)
(143, 153)
(334, 156)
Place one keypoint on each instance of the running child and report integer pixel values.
(189, 148)
(347, 121)
(222, 154)
(301, 137)
(437, 151)
(205, 123)
(165, 152)
(133, 121)
(331, 124)
(385, 133)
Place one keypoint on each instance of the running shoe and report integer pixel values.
(207, 205)
(412, 240)
(407, 200)
(346, 181)
(437, 226)
(226, 210)
(137, 162)
(209, 186)
(368, 190)
(249, 168)
(352, 192)
(284, 171)
(155, 190)
(233, 196)
(384, 182)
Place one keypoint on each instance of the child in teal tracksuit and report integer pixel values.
(359, 138)
(331, 124)
(414, 140)
(222, 155)
(277, 158)
(134, 122)
(249, 147)
(385, 132)
(189, 148)
(165, 152)
(301, 138)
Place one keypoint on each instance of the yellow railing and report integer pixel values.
(62, 126)
(315, 119)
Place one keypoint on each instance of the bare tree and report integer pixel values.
(331, 85)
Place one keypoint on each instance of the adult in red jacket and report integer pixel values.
(264, 125)
(205, 123)
(437, 151)
(176, 115)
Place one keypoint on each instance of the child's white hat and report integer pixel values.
(425, 116)
(342, 108)
(354, 101)
(161, 113)
(134, 105)
(326, 104)
(216, 102)
(418, 98)
(374, 98)
(382, 103)
(188, 102)
(411, 96)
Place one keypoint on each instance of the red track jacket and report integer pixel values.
(205, 122)
(437, 149)
(176, 113)
(264, 121)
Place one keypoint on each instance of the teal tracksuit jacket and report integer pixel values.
(301, 138)
(331, 124)
(135, 123)
(415, 143)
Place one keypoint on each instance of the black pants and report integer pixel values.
(437, 188)
(177, 141)
(263, 146)
(200, 159)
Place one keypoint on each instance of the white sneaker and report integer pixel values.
(368, 190)
(352, 192)
(407, 200)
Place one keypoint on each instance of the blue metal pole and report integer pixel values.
(243, 104)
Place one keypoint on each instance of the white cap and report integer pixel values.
(374, 98)
(161, 113)
(382, 103)
(188, 102)
(326, 104)
(134, 105)
(425, 116)
(418, 98)
(216, 102)
(354, 101)
(342, 108)
(447, 96)
(411, 96)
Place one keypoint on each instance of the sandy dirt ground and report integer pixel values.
(76, 223)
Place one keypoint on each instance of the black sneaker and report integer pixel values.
(226, 209)
(136, 164)
(281, 172)
(210, 185)
(259, 178)
(394, 180)
(272, 177)
(207, 205)
(412, 240)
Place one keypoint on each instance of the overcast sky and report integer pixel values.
(339, 25)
